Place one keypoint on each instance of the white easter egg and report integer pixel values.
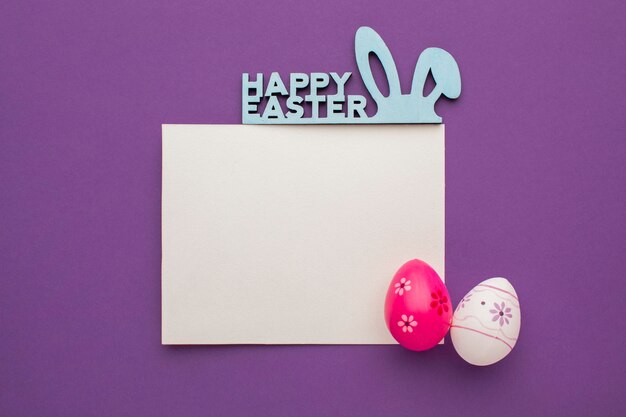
(486, 323)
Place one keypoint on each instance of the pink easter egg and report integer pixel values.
(418, 312)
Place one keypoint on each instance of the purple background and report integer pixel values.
(535, 192)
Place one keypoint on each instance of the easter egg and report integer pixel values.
(418, 311)
(486, 323)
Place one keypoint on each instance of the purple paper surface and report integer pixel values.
(536, 192)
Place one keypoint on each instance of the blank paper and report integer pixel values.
(291, 234)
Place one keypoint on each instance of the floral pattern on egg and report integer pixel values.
(440, 302)
(501, 313)
(407, 323)
(402, 286)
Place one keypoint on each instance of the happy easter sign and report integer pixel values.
(284, 100)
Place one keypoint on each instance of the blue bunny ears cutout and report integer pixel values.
(413, 107)
(341, 108)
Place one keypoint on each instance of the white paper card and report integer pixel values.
(291, 234)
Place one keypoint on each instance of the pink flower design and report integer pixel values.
(440, 302)
(402, 286)
(502, 313)
(407, 323)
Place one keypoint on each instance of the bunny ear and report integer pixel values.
(444, 70)
(366, 41)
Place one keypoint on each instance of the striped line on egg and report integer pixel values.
(499, 289)
(495, 329)
(483, 333)
(503, 296)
